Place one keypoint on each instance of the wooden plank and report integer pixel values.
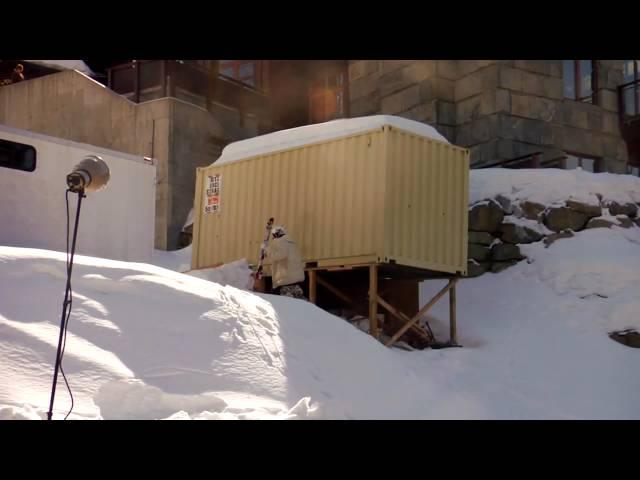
(313, 275)
(335, 291)
(452, 315)
(422, 312)
(402, 316)
(373, 301)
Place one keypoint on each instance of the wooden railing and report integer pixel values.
(145, 80)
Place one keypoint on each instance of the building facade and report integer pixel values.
(510, 113)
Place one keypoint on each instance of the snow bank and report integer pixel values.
(550, 186)
(176, 260)
(146, 342)
(296, 137)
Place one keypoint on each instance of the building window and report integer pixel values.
(589, 164)
(580, 80)
(245, 71)
(17, 156)
(631, 91)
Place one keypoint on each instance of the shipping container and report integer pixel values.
(371, 190)
(116, 222)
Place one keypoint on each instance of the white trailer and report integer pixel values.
(116, 222)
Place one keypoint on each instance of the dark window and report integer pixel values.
(245, 71)
(631, 92)
(17, 156)
(580, 80)
(589, 164)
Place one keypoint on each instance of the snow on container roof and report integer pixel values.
(299, 136)
(64, 65)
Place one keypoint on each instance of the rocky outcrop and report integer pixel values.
(485, 217)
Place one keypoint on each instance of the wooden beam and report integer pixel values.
(422, 312)
(335, 291)
(373, 300)
(452, 315)
(402, 316)
(313, 284)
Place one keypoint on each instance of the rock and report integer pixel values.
(556, 236)
(481, 238)
(599, 223)
(518, 234)
(563, 218)
(628, 209)
(505, 251)
(589, 210)
(478, 252)
(637, 222)
(624, 222)
(497, 267)
(531, 210)
(475, 269)
(630, 338)
(485, 217)
(505, 204)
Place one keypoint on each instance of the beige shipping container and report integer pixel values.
(378, 193)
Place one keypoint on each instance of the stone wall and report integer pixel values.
(497, 227)
(500, 109)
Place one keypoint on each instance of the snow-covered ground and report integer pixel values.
(148, 342)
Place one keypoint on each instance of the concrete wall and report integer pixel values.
(180, 136)
(500, 109)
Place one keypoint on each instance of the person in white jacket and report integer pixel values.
(286, 264)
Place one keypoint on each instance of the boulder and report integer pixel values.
(475, 269)
(589, 210)
(630, 338)
(505, 204)
(497, 267)
(624, 221)
(599, 223)
(531, 210)
(511, 233)
(556, 236)
(563, 218)
(628, 209)
(481, 238)
(478, 252)
(485, 217)
(505, 251)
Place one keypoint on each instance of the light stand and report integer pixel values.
(67, 301)
(90, 175)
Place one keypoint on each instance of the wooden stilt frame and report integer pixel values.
(376, 299)
(373, 301)
(313, 286)
(422, 312)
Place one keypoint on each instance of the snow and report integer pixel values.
(305, 135)
(64, 65)
(148, 342)
(552, 186)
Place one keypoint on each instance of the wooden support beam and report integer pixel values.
(402, 316)
(452, 316)
(313, 285)
(335, 291)
(373, 301)
(422, 312)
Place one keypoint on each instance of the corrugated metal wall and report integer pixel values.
(327, 195)
(384, 193)
(426, 203)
